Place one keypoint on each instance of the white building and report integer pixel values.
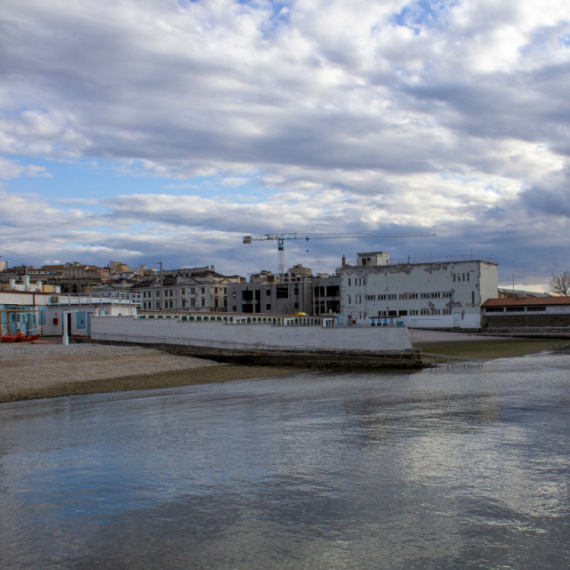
(44, 313)
(442, 293)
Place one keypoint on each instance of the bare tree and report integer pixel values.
(560, 284)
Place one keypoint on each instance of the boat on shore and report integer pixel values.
(20, 337)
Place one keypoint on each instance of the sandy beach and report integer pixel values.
(31, 371)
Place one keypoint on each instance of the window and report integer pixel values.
(413, 312)
(536, 308)
(392, 296)
(282, 292)
(425, 311)
(382, 297)
(446, 312)
(349, 281)
(268, 307)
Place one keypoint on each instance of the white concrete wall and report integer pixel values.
(461, 288)
(223, 335)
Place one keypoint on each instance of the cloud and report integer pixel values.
(11, 169)
(395, 115)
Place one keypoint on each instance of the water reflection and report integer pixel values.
(395, 470)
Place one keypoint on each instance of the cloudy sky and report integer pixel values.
(164, 130)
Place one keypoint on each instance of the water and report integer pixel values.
(442, 470)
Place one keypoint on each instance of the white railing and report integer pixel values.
(114, 298)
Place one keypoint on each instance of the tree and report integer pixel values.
(560, 284)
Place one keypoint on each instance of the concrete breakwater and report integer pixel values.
(266, 344)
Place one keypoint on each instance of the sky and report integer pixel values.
(166, 130)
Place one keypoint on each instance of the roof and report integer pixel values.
(526, 301)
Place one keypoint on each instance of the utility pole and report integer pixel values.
(161, 285)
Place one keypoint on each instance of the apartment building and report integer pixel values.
(204, 290)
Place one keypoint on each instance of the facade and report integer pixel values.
(201, 291)
(298, 292)
(269, 297)
(447, 293)
(526, 312)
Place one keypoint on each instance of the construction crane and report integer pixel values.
(280, 239)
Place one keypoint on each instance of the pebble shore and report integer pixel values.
(31, 371)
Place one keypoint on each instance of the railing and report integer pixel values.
(114, 298)
(439, 259)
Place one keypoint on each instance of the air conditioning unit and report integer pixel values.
(54, 300)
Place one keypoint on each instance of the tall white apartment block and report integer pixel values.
(444, 293)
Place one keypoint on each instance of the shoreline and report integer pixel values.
(217, 374)
(49, 370)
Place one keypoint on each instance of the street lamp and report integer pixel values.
(161, 284)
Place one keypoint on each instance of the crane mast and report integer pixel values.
(280, 239)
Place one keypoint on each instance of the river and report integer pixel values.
(444, 469)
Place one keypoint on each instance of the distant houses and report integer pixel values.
(455, 292)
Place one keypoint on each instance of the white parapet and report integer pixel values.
(250, 336)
